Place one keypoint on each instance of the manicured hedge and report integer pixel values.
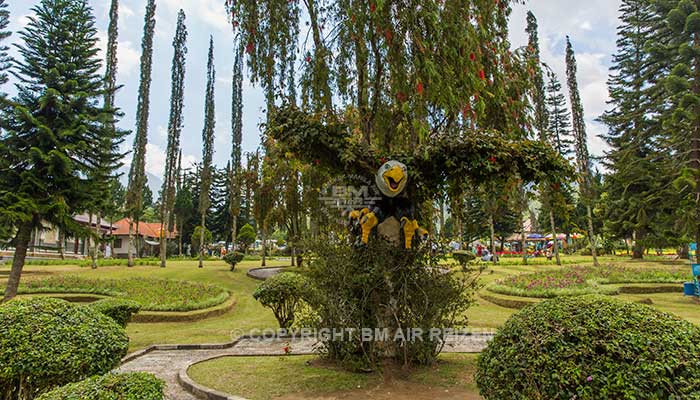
(592, 347)
(127, 386)
(283, 293)
(47, 342)
(233, 258)
(119, 310)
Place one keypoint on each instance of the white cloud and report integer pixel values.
(125, 11)
(211, 12)
(155, 159)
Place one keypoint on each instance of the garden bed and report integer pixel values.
(152, 294)
(301, 377)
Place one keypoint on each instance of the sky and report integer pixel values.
(591, 26)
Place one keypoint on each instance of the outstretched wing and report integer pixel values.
(479, 158)
(327, 144)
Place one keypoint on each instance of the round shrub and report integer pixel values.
(233, 258)
(463, 257)
(283, 293)
(46, 343)
(127, 386)
(592, 347)
(120, 310)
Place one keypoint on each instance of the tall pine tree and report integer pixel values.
(539, 99)
(559, 117)
(634, 185)
(583, 162)
(5, 59)
(207, 147)
(52, 131)
(175, 123)
(137, 173)
(235, 173)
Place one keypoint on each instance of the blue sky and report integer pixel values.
(591, 25)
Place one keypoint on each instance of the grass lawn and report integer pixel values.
(248, 314)
(303, 377)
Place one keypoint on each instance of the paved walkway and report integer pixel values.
(167, 364)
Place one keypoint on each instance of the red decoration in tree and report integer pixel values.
(401, 96)
(308, 59)
(372, 7)
(249, 47)
(482, 74)
(472, 56)
(492, 160)
(419, 87)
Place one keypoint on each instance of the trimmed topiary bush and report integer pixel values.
(463, 258)
(127, 386)
(283, 293)
(233, 258)
(120, 310)
(47, 342)
(592, 347)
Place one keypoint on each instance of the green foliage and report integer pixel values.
(283, 293)
(246, 236)
(124, 386)
(120, 310)
(196, 237)
(578, 280)
(591, 347)
(5, 60)
(233, 258)
(48, 342)
(463, 258)
(384, 286)
(153, 294)
(137, 171)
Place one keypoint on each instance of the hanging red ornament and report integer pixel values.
(419, 87)
(308, 59)
(249, 47)
(482, 75)
(472, 56)
(372, 7)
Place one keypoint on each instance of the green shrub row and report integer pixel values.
(45, 343)
(127, 386)
(120, 310)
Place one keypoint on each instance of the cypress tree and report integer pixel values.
(51, 140)
(103, 177)
(539, 97)
(5, 59)
(581, 144)
(237, 137)
(137, 172)
(207, 147)
(175, 123)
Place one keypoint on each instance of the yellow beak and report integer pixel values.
(393, 178)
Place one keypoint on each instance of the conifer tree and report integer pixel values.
(175, 123)
(634, 193)
(583, 163)
(137, 172)
(5, 59)
(680, 59)
(207, 147)
(559, 117)
(51, 140)
(235, 173)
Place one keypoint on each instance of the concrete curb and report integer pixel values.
(147, 317)
(251, 272)
(199, 391)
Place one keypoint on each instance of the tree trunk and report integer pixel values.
(201, 242)
(264, 246)
(88, 239)
(523, 240)
(493, 239)
(555, 239)
(95, 248)
(61, 244)
(130, 246)
(234, 233)
(24, 235)
(138, 240)
(441, 218)
(591, 236)
(163, 239)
